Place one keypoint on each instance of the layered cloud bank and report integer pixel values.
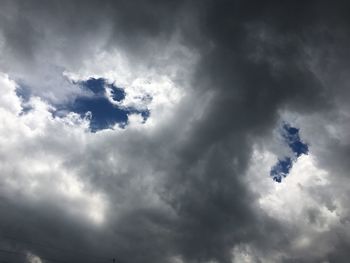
(148, 131)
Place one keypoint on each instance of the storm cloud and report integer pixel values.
(146, 131)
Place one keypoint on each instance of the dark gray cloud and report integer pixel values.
(181, 191)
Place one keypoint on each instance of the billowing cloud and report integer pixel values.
(147, 131)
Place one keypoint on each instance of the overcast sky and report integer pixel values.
(174, 131)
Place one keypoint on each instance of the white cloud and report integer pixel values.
(31, 168)
(157, 84)
(31, 258)
(309, 202)
(58, 161)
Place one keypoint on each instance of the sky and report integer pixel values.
(181, 131)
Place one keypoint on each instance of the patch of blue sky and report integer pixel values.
(103, 113)
(118, 94)
(292, 138)
(281, 169)
(94, 102)
(98, 88)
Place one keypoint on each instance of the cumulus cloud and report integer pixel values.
(192, 182)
